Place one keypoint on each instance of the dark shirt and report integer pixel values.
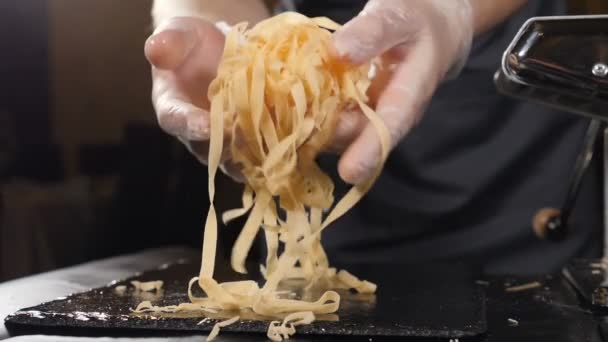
(467, 181)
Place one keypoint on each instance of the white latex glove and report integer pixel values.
(184, 53)
(421, 43)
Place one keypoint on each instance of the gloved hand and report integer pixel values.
(185, 53)
(421, 43)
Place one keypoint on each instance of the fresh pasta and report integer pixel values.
(276, 102)
(216, 328)
(149, 286)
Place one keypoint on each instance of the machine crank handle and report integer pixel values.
(551, 223)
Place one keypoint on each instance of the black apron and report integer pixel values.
(467, 181)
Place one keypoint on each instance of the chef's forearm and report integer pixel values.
(231, 11)
(489, 13)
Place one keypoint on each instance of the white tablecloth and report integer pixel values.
(104, 339)
(30, 291)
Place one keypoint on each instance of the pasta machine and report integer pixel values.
(562, 62)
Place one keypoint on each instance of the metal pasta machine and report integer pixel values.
(562, 62)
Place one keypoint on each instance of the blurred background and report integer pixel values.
(85, 172)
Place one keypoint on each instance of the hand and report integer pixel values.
(185, 53)
(421, 42)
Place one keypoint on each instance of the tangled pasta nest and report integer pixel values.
(279, 93)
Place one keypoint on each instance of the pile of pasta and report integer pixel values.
(275, 104)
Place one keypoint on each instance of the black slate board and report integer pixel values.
(551, 312)
(430, 301)
(589, 278)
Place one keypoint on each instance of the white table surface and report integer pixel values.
(33, 290)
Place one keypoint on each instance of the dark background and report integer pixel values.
(84, 170)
